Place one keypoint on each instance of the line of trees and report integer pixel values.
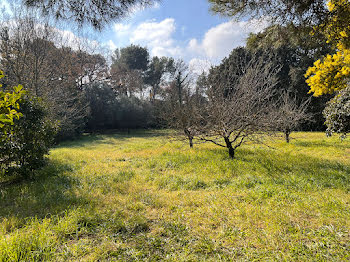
(242, 99)
(321, 28)
(68, 88)
(239, 100)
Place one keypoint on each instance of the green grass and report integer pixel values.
(139, 197)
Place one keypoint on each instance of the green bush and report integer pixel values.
(109, 111)
(337, 113)
(24, 145)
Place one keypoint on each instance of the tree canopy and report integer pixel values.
(329, 18)
(337, 113)
(296, 11)
(134, 57)
(332, 73)
(91, 12)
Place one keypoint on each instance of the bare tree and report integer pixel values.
(291, 114)
(36, 56)
(240, 110)
(25, 45)
(181, 107)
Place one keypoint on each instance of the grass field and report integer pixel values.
(138, 197)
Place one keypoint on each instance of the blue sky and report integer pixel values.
(182, 29)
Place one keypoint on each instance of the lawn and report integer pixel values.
(141, 197)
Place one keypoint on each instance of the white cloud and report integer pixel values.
(219, 41)
(154, 32)
(121, 28)
(157, 36)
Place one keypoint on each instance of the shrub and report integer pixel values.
(24, 145)
(337, 113)
(109, 111)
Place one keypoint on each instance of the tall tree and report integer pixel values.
(128, 69)
(328, 75)
(94, 13)
(283, 11)
(134, 57)
(30, 55)
(157, 70)
(294, 49)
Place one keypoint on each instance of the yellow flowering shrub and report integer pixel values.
(332, 73)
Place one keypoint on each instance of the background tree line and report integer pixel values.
(256, 90)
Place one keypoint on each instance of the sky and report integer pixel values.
(183, 29)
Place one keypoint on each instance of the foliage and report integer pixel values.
(158, 69)
(282, 11)
(110, 111)
(295, 51)
(94, 13)
(9, 105)
(134, 57)
(23, 148)
(104, 106)
(337, 27)
(337, 113)
(332, 73)
(305, 47)
(128, 68)
(134, 113)
(328, 74)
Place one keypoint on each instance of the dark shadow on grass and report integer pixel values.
(309, 172)
(317, 173)
(95, 139)
(51, 192)
(324, 144)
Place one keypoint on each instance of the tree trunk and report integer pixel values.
(190, 139)
(189, 136)
(287, 134)
(231, 150)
